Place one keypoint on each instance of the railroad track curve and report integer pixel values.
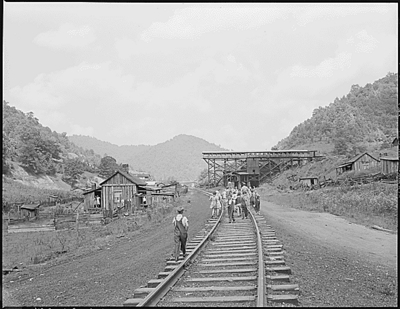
(235, 264)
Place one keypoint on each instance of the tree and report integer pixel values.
(6, 152)
(72, 171)
(108, 166)
(203, 178)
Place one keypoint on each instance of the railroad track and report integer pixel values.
(236, 264)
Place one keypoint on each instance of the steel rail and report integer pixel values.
(261, 291)
(261, 285)
(154, 297)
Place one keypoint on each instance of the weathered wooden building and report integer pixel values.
(119, 188)
(358, 163)
(30, 211)
(309, 181)
(389, 165)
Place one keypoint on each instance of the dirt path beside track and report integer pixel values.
(336, 232)
(335, 262)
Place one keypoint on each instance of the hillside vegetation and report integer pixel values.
(365, 119)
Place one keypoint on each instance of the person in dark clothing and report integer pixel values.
(257, 203)
(242, 202)
(180, 233)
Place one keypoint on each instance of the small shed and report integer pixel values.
(389, 165)
(30, 210)
(90, 197)
(119, 190)
(360, 162)
(309, 181)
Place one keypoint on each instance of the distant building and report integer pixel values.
(360, 162)
(142, 175)
(389, 165)
(309, 181)
(30, 210)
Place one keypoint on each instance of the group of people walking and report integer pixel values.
(235, 200)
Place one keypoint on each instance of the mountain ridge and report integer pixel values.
(164, 160)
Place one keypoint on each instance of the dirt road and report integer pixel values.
(335, 262)
(336, 232)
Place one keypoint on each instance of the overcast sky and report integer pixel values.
(241, 76)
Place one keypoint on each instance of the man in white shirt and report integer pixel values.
(180, 233)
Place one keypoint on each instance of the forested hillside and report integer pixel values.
(366, 115)
(41, 151)
(179, 158)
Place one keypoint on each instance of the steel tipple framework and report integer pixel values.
(252, 167)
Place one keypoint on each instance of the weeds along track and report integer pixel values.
(228, 264)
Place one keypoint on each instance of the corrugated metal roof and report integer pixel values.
(135, 180)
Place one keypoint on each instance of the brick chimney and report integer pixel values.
(125, 168)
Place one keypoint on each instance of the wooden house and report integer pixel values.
(30, 211)
(358, 163)
(309, 181)
(120, 190)
(389, 165)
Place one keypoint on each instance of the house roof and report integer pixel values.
(91, 190)
(354, 159)
(164, 193)
(149, 188)
(390, 158)
(30, 206)
(135, 180)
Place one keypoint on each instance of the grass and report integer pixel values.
(15, 192)
(368, 204)
(38, 247)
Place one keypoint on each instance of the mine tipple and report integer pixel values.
(252, 167)
(259, 154)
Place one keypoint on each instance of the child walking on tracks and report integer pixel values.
(180, 233)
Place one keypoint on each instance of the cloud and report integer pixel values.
(190, 23)
(359, 51)
(307, 13)
(67, 36)
(95, 94)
